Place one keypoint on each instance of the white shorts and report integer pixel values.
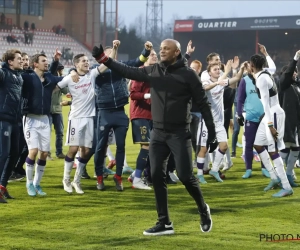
(111, 137)
(264, 136)
(80, 132)
(202, 134)
(37, 132)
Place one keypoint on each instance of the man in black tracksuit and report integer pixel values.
(10, 95)
(289, 99)
(172, 85)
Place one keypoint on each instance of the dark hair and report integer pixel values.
(35, 59)
(258, 61)
(77, 57)
(212, 65)
(24, 54)
(210, 56)
(10, 55)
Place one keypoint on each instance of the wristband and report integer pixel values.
(270, 124)
(147, 96)
(102, 58)
(142, 58)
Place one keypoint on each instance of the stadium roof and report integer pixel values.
(249, 23)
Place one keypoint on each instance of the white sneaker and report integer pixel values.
(140, 185)
(67, 185)
(173, 177)
(77, 187)
(227, 166)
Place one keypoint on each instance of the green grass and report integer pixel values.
(241, 211)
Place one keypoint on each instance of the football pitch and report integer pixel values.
(244, 216)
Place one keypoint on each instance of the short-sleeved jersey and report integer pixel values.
(215, 98)
(83, 94)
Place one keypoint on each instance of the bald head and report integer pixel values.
(174, 42)
(169, 51)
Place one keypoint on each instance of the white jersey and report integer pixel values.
(271, 105)
(83, 94)
(205, 77)
(215, 97)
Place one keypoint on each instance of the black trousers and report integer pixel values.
(9, 149)
(194, 128)
(23, 152)
(177, 142)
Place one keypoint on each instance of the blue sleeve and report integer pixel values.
(137, 62)
(241, 97)
(53, 67)
(55, 80)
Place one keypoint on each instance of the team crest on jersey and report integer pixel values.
(84, 91)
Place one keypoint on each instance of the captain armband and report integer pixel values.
(270, 124)
(142, 58)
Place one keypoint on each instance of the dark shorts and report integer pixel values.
(141, 130)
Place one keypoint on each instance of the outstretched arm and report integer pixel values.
(133, 73)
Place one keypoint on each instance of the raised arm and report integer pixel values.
(262, 85)
(139, 61)
(116, 44)
(234, 80)
(55, 62)
(271, 65)
(133, 73)
(286, 77)
(189, 50)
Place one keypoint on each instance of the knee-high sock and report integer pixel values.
(110, 154)
(29, 170)
(228, 157)
(293, 156)
(200, 165)
(206, 162)
(68, 167)
(141, 164)
(265, 158)
(279, 167)
(82, 163)
(39, 172)
(218, 160)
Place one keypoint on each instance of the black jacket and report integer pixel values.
(37, 95)
(10, 94)
(171, 89)
(289, 99)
